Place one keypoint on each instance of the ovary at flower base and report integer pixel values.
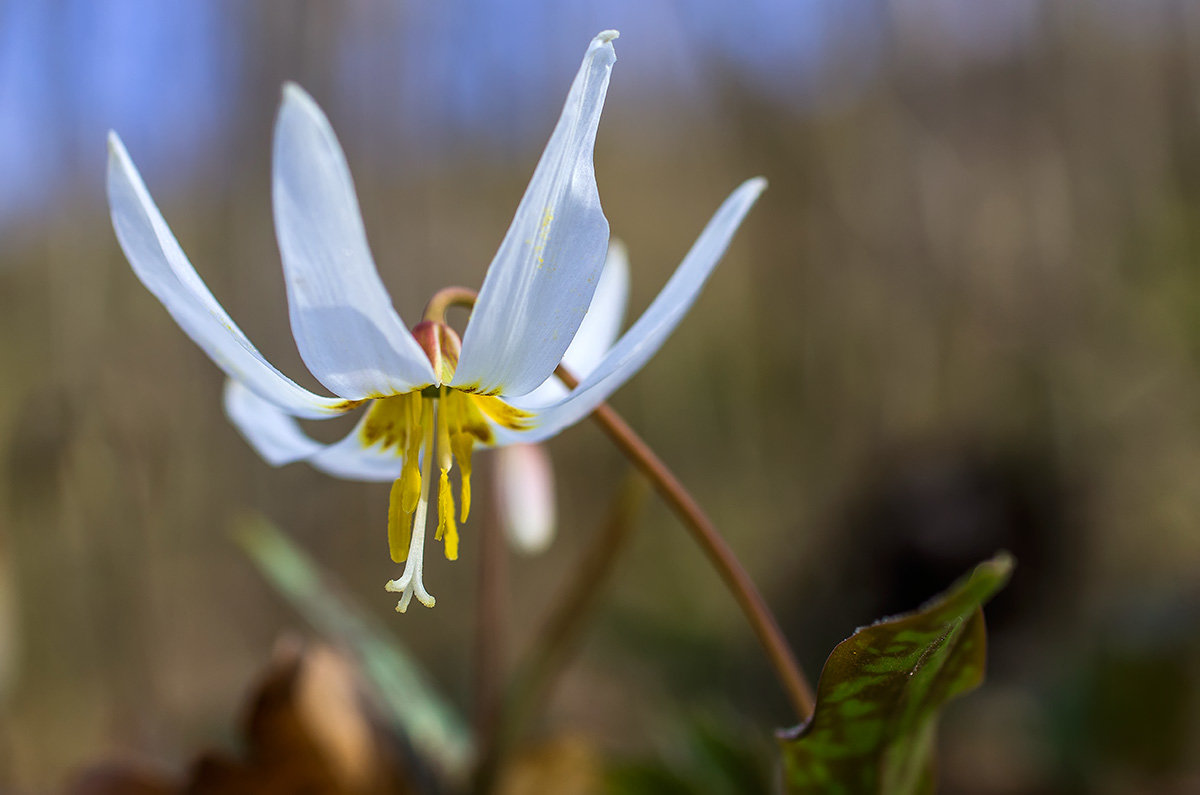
(425, 398)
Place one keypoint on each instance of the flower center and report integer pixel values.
(434, 420)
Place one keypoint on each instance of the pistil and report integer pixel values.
(410, 582)
(434, 420)
(447, 531)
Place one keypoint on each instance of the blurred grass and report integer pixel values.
(436, 730)
(970, 263)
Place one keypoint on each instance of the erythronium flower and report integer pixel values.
(430, 399)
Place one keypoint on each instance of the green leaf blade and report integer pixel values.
(881, 690)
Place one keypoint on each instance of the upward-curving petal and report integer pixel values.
(162, 266)
(345, 326)
(647, 335)
(602, 323)
(541, 281)
(597, 332)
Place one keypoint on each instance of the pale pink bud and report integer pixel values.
(525, 486)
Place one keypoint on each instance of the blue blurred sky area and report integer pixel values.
(170, 77)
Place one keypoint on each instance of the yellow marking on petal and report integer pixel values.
(503, 414)
(543, 235)
(399, 527)
(464, 417)
(477, 389)
(389, 421)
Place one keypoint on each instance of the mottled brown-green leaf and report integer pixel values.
(881, 690)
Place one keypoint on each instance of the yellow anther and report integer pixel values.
(447, 530)
(411, 472)
(503, 414)
(399, 523)
(464, 490)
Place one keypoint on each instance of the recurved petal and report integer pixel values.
(162, 266)
(351, 459)
(599, 328)
(276, 436)
(602, 323)
(280, 440)
(541, 281)
(347, 331)
(647, 335)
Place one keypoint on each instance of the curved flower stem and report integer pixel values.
(794, 683)
(792, 679)
(447, 297)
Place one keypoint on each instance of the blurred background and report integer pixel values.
(964, 317)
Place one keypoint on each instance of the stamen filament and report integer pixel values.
(447, 530)
(399, 529)
(461, 443)
(444, 453)
(411, 472)
(410, 582)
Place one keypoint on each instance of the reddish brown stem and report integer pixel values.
(791, 677)
(705, 533)
(445, 298)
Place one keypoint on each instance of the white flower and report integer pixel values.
(422, 386)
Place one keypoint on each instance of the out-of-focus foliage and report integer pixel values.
(403, 688)
(708, 754)
(307, 728)
(873, 731)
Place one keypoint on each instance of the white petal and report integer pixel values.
(647, 335)
(351, 460)
(525, 486)
(276, 436)
(597, 332)
(602, 323)
(162, 266)
(541, 281)
(345, 326)
(280, 440)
